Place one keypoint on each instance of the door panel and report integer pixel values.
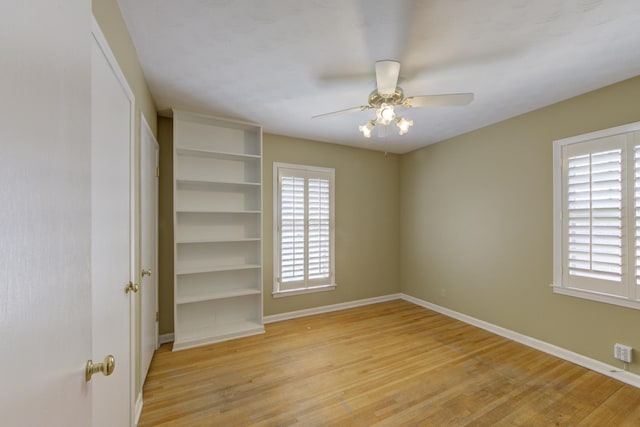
(45, 288)
(111, 229)
(149, 251)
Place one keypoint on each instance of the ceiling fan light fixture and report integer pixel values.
(403, 125)
(385, 114)
(367, 128)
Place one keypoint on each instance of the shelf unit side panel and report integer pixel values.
(176, 140)
(261, 231)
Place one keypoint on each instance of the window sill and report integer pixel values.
(595, 296)
(293, 292)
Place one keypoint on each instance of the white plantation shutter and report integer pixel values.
(292, 229)
(598, 215)
(594, 208)
(319, 229)
(303, 217)
(596, 228)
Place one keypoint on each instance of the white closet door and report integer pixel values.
(149, 250)
(111, 233)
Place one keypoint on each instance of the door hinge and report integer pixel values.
(158, 171)
(157, 316)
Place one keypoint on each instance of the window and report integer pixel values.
(597, 216)
(303, 229)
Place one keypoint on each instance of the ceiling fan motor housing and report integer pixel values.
(376, 99)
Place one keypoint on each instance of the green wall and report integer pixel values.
(109, 17)
(165, 226)
(476, 226)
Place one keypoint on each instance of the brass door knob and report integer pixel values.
(146, 272)
(131, 287)
(106, 367)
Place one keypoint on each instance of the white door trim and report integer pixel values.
(144, 127)
(98, 35)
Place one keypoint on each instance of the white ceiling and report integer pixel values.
(279, 62)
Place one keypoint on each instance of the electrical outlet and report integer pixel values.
(622, 352)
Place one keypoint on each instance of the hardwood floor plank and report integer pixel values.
(622, 408)
(387, 364)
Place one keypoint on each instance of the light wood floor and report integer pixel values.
(389, 364)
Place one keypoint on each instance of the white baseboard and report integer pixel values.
(138, 409)
(328, 308)
(165, 338)
(584, 361)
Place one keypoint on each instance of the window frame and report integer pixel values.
(306, 172)
(631, 298)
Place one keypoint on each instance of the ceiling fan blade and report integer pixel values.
(348, 110)
(445, 100)
(387, 73)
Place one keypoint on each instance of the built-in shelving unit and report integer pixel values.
(217, 229)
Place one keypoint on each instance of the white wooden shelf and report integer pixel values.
(213, 240)
(215, 211)
(187, 151)
(215, 182)
(213, 269)
(217, 229)
(213, 295)
(222, 332)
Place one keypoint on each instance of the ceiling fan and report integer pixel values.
(388, 96)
